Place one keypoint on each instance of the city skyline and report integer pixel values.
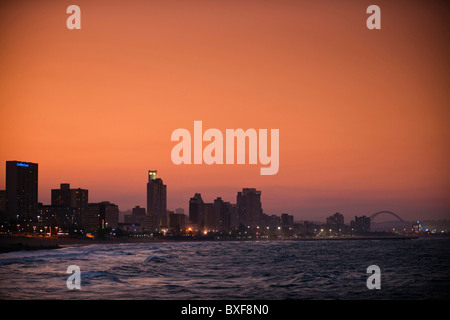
(362, 114)
(156, 200)
(71, 213)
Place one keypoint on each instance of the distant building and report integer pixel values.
(361, 224)
(211, 221)
(217, 216)
(122, 215)
(336, 223)
(274, 220)
(234, 215)
(223, 212)
(196, 210)
(215, 211)
(128, 227)
(310, 228)
(151, 223)
(250, 208)
(287, 220)
(176, 221)
(156, 199)
(137, 217)
(21, 190)
(138, 211)
(101, 215)
(73, 198)
(64, 217)
(65, 196)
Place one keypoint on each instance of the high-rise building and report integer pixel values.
(102, 215)
(234, 215)
(176, 222)
(361, 224)
(336, 222)
(220, 212)
(223, 214)
(156, 199)
(71, 198)
(336, 218)
(250, 208)
(210, 221)
(196, 209)
(21, 190)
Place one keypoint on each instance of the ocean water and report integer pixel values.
(266, 270)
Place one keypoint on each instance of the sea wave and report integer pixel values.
(413, 269)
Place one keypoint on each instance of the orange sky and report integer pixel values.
(363, 114)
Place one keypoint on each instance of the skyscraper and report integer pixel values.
(21, 190)
(209, 220)
(156, 199)
(196, 209)
(250, 208)
(223, 214)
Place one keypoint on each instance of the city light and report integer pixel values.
(21, 164)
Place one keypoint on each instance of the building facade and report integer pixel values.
(176, 222)
(72, 198)
(64, 218)
(336, 223)
(250, 208)
(100, 216)
(21, 191)
(196, 210)
(361, 224)
(137, 217)
(156, 199)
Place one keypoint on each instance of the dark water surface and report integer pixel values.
(410, 269)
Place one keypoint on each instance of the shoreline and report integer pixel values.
(30, 243)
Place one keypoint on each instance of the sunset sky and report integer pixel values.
(363, 114)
